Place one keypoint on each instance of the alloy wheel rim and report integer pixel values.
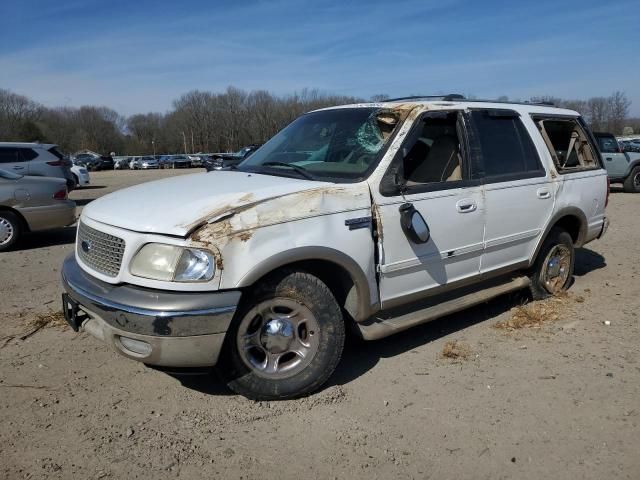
(6, 231)
(556, 268)
(278, 338)
(636, 180)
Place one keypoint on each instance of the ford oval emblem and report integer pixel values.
(86, 246)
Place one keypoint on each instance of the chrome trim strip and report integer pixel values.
(147, 312)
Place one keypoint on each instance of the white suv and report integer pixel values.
(376, 217)
(36, 160)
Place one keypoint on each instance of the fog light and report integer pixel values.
(136, 346)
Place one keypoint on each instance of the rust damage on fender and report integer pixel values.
(240, 222)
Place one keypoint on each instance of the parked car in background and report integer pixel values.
(36, 159)
(94, 162)
(146, 163)
(30, 204)
(373, 217)
(222, 160)
(197, 159)
(175, 161)
(121, 163)
(621, 166)
(80, 175)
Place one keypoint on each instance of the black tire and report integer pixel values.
(558, 240)
(76, 179)
(10, 230)
(632, 182)
(311, 295)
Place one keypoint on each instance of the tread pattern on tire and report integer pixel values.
(312, 292)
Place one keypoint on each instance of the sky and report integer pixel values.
(137, 56)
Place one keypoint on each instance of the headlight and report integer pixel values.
(173, 264)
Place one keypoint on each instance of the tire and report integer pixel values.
(76, 179)
(632, 182)
(552, 272)
(292, 310)
(10, 230)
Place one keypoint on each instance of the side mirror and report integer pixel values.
(413, 224)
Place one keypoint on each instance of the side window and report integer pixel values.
(568, 144)
(28, 154)
(607, 144)
(434, 155)
(10, 155)
(507, 149)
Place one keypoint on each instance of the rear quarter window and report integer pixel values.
(28, 153)
(568, 143)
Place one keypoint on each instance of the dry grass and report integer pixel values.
(536, 314)
(456, 350)
(42, 320)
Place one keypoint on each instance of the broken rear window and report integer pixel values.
(567, 143)
(340, 145)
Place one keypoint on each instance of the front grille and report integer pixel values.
(99, 250)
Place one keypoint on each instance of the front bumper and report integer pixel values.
(170, 329)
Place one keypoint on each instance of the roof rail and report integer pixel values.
(448, 97)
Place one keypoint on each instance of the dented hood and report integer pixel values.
(175, 206)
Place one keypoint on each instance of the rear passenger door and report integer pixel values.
(519, 197)
(11, 159)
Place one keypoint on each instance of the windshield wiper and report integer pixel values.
(301, 170)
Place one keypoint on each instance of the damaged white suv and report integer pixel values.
(376, 217)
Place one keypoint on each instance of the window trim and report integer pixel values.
(388, 188)
(540, 172)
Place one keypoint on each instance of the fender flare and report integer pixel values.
(565, 212)
(365, 307)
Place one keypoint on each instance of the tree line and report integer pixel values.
(201, 121)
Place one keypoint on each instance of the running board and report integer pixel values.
(376, 327)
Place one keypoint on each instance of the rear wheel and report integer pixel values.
(286, 342)
(553, 269)
(632, 182)
(10, 230)
(76, 179)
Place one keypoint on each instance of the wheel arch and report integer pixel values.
(23, 221)
(572, 220)
(342, 275)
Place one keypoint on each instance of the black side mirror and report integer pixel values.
(413, 224)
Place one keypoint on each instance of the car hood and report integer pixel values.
(178, 205)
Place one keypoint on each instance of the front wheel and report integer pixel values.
(632, 182)
(552, 271)
(286, 342)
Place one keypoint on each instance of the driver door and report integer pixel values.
(432, 172)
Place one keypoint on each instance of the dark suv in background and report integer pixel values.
(93, 162)
(225, 160)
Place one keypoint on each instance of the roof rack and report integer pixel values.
(449, 97)
(452, 97)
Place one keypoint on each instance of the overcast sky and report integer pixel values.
(138, 56)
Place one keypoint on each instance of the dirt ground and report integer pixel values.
(557, 399)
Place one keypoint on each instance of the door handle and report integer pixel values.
(543, 193)
(466, 205)
(18, 168)
(609, 158)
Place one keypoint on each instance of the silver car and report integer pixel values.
(29, 204)
(37, 160)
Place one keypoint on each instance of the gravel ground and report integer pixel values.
(560, 399)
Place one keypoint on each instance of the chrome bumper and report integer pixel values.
(172, 329)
